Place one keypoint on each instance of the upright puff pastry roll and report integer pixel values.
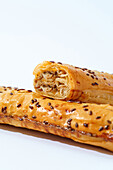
(82, 122)
(66, 82)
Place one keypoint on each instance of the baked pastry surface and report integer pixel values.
(66, 82)
(82, 122)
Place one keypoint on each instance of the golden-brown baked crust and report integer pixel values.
(73, 83)
(82, 122)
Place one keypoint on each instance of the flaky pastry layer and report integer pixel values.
(66, 82)
(82, 122)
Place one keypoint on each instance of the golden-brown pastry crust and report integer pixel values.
(66, 82)
(82, 122)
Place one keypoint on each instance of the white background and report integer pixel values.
(78, 32)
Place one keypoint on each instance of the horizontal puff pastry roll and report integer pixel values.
(66, 82)
(82, 122)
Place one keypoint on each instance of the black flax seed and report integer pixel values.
(69, 121)
(35, 100)
(15, 88)
(85, 106)
(72, 110)
(38, 105)
(31, 107)
(9, 87)
(106, 127)
(85, 109)
(98, 117)
(20, 119)
(59, 63)
(52, 61)
(101, 128)
(109, 121)
(85, 124)
(34, 117)
(90, 113)
(18, 105)
(51, 107)
(76, 124)
(29, 90)
(93, 84)
(45, 122)
(32, 101)
(4, 110)
(25, 116)
(84, 69)
(92, 76)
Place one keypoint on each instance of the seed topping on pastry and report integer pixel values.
(15, 88)
(18, 105)
(98, 117)
(106, 127)
(25, 116)
(9, 87)
(35, 100)
(69, 121)
(52, 61)
(90, 113)
(37, 104)
(59, 63)
(29, 90)
(85, 106)
(31, 107)
(20, 89)
(109, 121)
(76, 124)
(50, 98)
(101, 128)
(93, 84)
(85, 109)
(34, 117)
(85, 124)
(45, 122)
(51, 107)
(20, 119)
(92, 76)
(32, 101)
(72, 110)
(4, 109)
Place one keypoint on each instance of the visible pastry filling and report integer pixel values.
(53, 83)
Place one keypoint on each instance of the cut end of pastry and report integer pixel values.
(51, 80)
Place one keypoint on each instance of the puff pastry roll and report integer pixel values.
(66, 82)
(82, 122)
